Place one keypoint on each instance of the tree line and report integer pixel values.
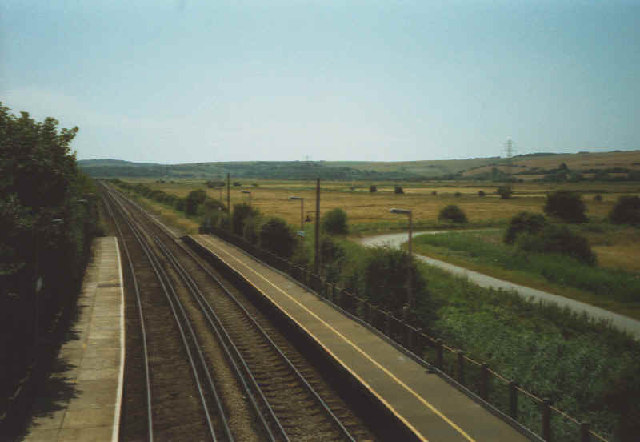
(48, 217)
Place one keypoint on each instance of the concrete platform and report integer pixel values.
(81, 400)
(432, 408)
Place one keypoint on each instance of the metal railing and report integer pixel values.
(536, 417)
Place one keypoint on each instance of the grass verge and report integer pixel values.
(613, 290)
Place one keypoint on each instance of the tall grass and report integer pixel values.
(616, 285)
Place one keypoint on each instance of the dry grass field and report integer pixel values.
(577, 162)
(615, 249)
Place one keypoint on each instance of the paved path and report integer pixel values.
(432, 408)
(621, 322)
(81, 399)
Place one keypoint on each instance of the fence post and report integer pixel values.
(513, 399)
(585, 433)
(387, 324)
(409, 333)
(484, 381)
(439, 354)
(546, 419)
(460, 371)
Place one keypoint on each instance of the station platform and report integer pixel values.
(81, 399)
(429, 406)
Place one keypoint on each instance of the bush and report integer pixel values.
(434, 192)
(193, 200)
(334, 222)
(481, 193)
(214, 184)
(524, 222)
(276, 236)
(453, 214)
(242, 213)
(597, 198)
(505, 192)
(558, 239)
(626, 211)
(384, 279)
(567, 206)
(457, 194)
(180, 204)
(373, 189)
(398, 190)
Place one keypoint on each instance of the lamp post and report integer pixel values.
(301, 210)
(409, 213)
(247, 192)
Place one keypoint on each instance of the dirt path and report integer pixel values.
(621, 322)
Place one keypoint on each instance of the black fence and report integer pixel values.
(535, 417)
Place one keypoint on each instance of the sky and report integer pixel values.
(241, 80)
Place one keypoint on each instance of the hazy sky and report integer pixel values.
(213, 80)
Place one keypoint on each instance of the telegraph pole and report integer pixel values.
(228, 194)
(316, 260)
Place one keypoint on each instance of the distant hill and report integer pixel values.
(337, 170)
(531, 166)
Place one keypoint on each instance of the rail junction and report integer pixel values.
(223, 347)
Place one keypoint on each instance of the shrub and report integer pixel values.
(334, 222)
(237, 184)
(434, 192)
(505, 192)
(385, 276)
(180, 204)
(193, 200)
(276, 236)
(457, 194)
(214, 184)
(398, 190)
(597, 198)
(481, 193)
(558, 239)
(453, 214)
(242, 213)
(567, 206)
(626, 210)
(373, 188)
(524, 222)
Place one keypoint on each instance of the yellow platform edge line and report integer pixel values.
(359, 350)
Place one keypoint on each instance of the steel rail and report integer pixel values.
(173, 300)
(336, 421)
(136, 287)
(232, 352)
(210, 313)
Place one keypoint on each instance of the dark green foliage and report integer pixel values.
(334, 222)
(453, 214)
(214, 184)
(558, 239)
(567, 206)
(242, 213)
(237, 184)
(481, 193)
(332, 256)
(505, 192)
(597, 198)
(276, 236)
(180, 204)
(626, 210)
(383, 277)
(373, 188)
(524, 222)
(398, 190)
(434, 192)
(48, 217)
(457, 194)
(193, 200)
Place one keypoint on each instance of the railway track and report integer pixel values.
(289, 398)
